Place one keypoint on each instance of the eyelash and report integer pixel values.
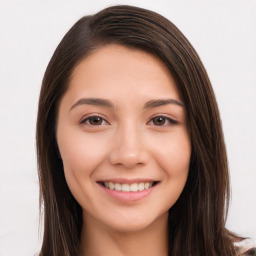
(101, 119)
(87, 120)
(165, 118)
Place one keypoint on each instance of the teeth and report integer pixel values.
(118, 186)
(147, 185)
(111, 185)
(134, 187)
(141, 186)
(125, 187)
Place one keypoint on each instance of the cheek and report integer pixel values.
(81, 151)
(173, 157)
(173, 154)
(81, 155)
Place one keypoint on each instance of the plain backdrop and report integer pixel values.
(223, 33)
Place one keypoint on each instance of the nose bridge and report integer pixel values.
(129, 145)
(130, 135)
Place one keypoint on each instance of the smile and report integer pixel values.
(128, 191)
(134, 187)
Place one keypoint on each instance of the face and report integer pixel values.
(122, 136)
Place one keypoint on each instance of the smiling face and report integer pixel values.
(122, 136)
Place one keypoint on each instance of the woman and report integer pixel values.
(131, 154)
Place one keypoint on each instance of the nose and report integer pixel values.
(129, 148)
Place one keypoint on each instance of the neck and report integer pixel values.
(100, 240)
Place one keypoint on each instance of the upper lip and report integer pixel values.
(128, 181)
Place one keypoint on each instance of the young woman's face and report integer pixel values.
(122, 136)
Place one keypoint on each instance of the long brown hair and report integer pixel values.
(197, 220)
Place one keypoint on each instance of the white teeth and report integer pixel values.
(111, 185)
(147, 185)
(118, 186)
(141, 186)
(125, 187)
(134, 187)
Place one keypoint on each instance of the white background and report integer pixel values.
(224, 34)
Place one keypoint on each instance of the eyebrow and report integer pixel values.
(93, 101)
(109, 104)
(162, 102)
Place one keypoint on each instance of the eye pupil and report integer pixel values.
(95, 120)
(159, 121)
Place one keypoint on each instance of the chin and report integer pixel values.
(132, 224)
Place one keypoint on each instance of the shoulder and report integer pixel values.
(245, 247)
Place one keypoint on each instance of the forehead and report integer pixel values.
(116, 71)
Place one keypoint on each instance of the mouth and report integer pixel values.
(128, 187)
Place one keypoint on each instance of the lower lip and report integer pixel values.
(127, 196)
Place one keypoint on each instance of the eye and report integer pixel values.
(162, 121)
(94, 121)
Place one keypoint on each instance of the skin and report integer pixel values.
(128, 141)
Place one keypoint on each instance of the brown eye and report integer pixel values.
(162, 121)
(159, 120)
(94, 121)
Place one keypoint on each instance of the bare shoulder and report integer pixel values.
(245, 247)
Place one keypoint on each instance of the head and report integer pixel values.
(200, 210)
